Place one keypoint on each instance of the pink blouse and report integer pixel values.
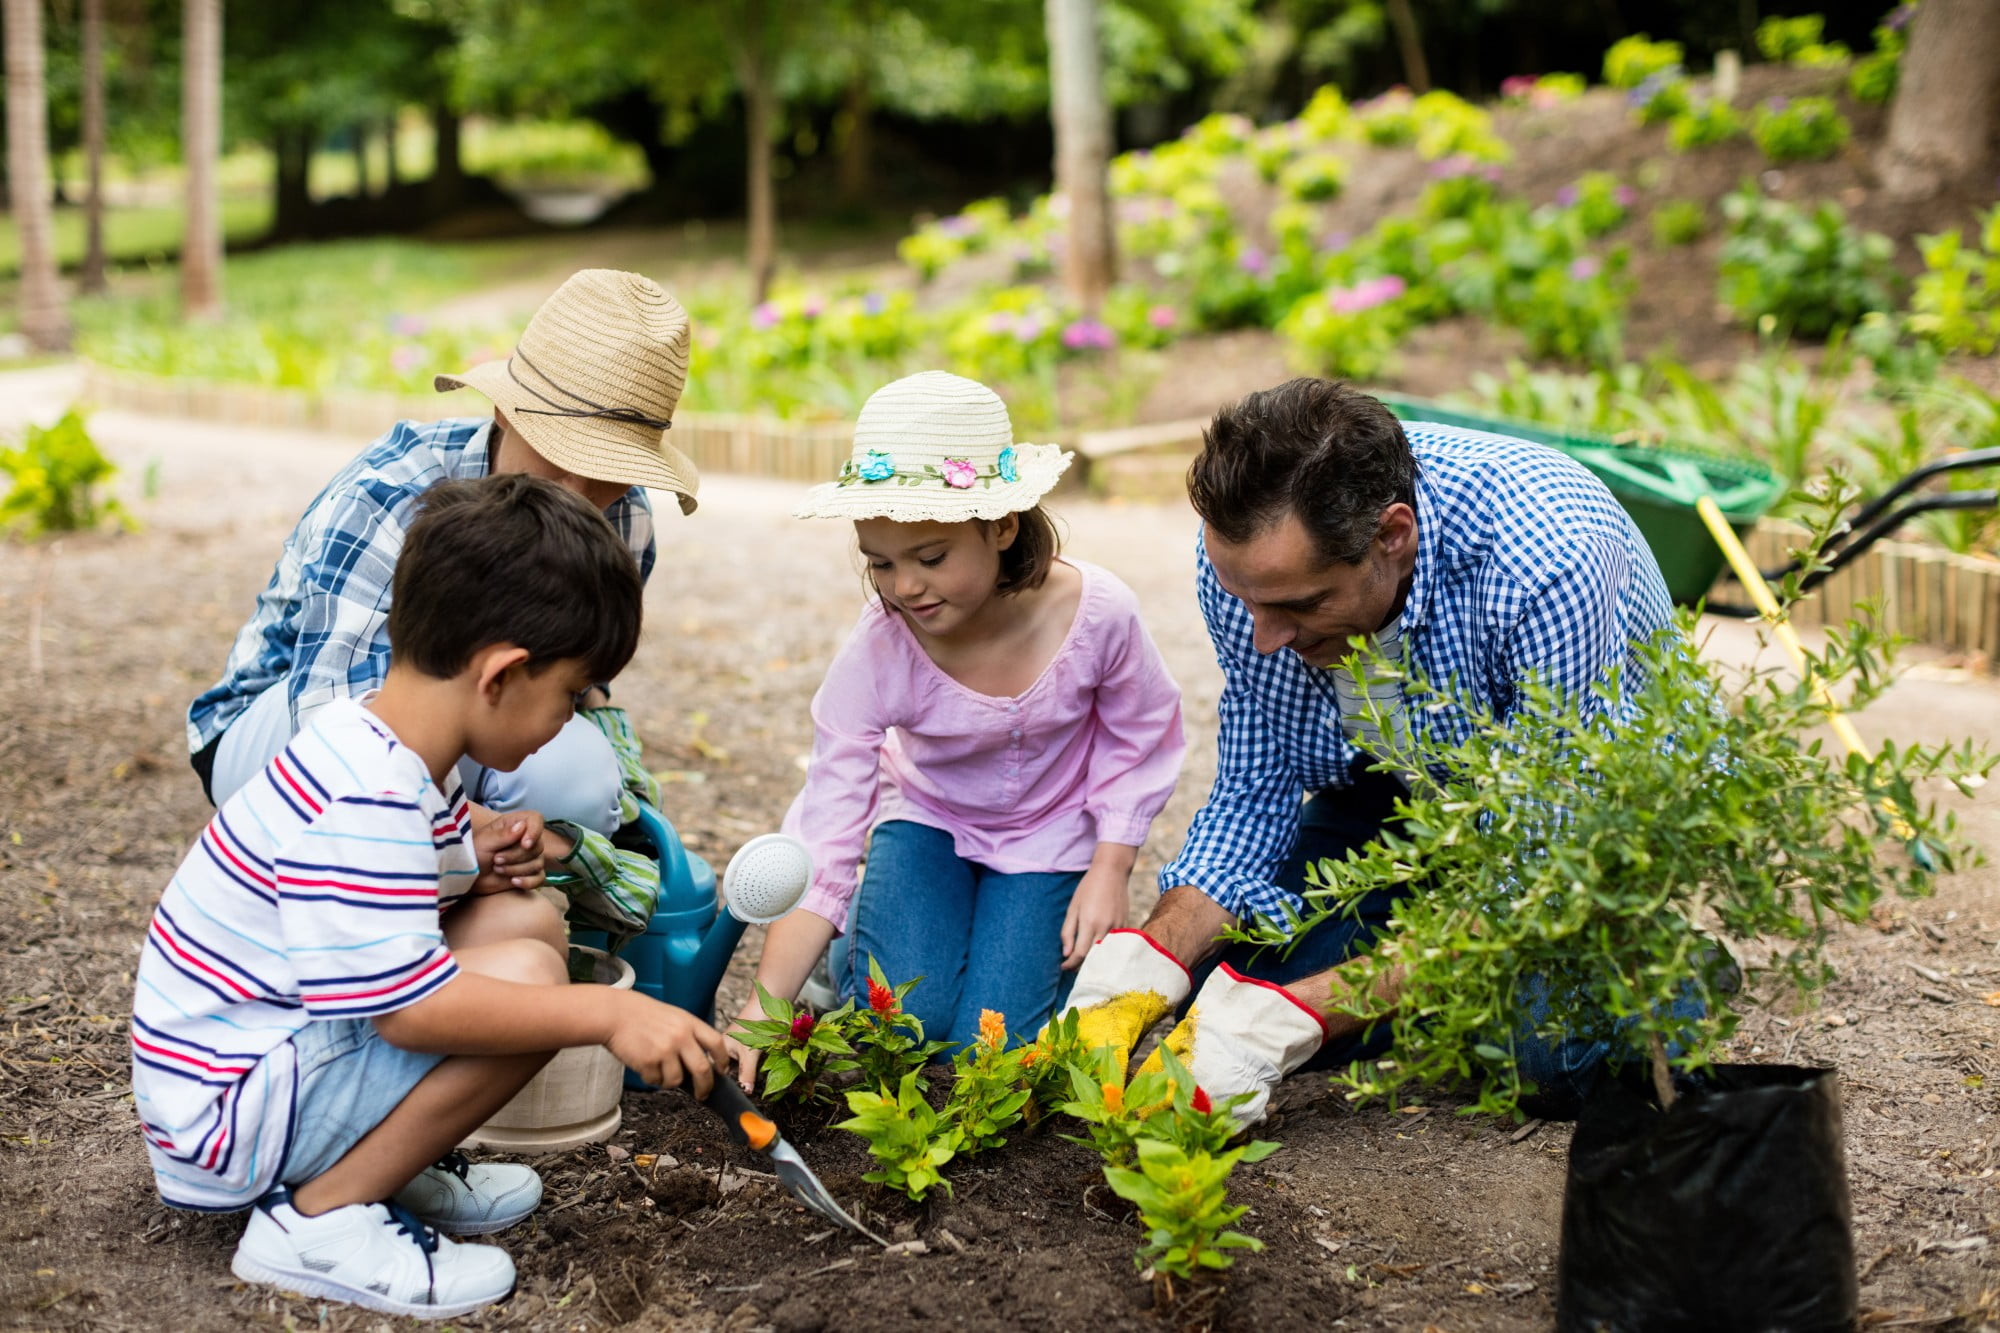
(1087, 754)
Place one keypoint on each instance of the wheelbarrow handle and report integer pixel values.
(1971, 458)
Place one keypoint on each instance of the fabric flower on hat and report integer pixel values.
(1006, 465)
(878, 466)
(959, 474)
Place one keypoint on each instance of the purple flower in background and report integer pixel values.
(1567, 196)
(874, 303)
(1088, 335)
(1163, 316)
(1899, 17)
(1626, 196)
(1451, 168)
(1366, 295)
(1253, 260)
(1585, 268)
(765, 315)
(1778, 103)
(1335, 240)
(1492, 172)
(957, 226)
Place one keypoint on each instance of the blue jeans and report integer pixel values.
(350, 1079)
(1335, 820)
(978, 938)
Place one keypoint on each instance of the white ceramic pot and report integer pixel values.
(574, 1100)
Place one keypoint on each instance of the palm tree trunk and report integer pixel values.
(1082, 120)
(43, 318)
(93, 147)
(201, 153)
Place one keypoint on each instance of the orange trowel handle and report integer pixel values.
(747, 1125)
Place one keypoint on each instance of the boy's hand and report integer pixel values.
(512, 849)
(1095, 910)
(663, 1044)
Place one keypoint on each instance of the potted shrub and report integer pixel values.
(573, 1100)
(1578, 868)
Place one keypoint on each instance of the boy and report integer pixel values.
(337, 986)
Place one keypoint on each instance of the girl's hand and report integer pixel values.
(746, 1058)
(1097, 908)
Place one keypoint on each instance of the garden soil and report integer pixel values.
(1371, 1218)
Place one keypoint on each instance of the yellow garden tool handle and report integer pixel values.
(1760, 597)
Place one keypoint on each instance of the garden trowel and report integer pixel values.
(751, 1128)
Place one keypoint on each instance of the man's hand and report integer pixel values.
(1096, 908)
(663, 1044)
(1127, 984)
(1241, 1036)
(514, 850)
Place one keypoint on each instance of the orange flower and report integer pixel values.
(1031, 1056)
(880, 998)
(1114, 1098)
(992, 1029)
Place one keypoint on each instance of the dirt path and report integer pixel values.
(1371, 1220)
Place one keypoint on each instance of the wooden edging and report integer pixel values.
(1924, 593)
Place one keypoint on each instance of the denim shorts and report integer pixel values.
(350, 1078)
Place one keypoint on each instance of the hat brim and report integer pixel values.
(596, 447)
(1037, 466)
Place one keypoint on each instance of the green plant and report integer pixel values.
(1313, 178)
(1388, 121)
(1956, 302)
(1348, 330)
(909, 1139)
(1806, 273)
(1572, 871)
(1661, 99)
(53, 476)
(1633, 60)
(1679, 222)
(888, 1039)
(1576, 313)
(988, 1094)
(1796, 41)
(1182, 1198)
(1046, 1065)
(1875, 76)
(1801, 129)
(1598, 202)
(1703, 123)
(800, 1050)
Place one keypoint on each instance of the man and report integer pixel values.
(585, 401)
(1471, 557)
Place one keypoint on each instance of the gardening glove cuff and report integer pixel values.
(1241, 1036)
(1127, 983)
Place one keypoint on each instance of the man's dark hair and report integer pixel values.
(513, 559)
(1317, 448)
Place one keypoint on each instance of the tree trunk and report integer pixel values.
(43, 318)
(1083, 150)
(201, 153)
(291, 197)
(360, 161)
(760, 114)
(1941, 123)
(93, 147)
(1410, 43)
(856, 147)
(446, 187)
(389, 172)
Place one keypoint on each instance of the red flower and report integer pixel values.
(802, 1026)
(1199, 1102)
(880, 998)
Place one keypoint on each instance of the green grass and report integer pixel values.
(138, 235)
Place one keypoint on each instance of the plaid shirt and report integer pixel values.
(321, 628)
(1525, 564)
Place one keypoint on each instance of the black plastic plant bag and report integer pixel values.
(1728, 1212)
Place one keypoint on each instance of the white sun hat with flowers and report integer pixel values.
(939, 448)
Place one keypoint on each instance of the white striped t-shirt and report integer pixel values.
(314, 893)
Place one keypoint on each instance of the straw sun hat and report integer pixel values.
(940, 448)
(594, 381)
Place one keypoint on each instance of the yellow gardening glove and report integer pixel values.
(1127, 983)
(1241, 1035)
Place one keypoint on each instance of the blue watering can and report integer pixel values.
(688, 942)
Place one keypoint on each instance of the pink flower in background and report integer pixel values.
(407, 326)
(1000, 322)
(1089, 335)
(958, 226)
(1450, 168)
(1335, 240)
(1163, 316)
(812, 307)
(874, 303)
(1253, 260)
(958, 474)
(1366, 295)
(764, 316)
(1626, 196)
(1028, 329)
(1517, 85)
(406, 358)
(1567, 196)
(1586, 268)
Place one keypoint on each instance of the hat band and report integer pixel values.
(956, 473)
(630, 415)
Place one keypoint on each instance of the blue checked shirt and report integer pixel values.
(321, 629)
(1525, 565)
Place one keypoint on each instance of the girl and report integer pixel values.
(999, 719)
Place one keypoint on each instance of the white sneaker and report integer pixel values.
(472, 1198)
(818, 990)
(370, 1254)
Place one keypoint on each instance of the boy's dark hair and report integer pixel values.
(1317, 448)
(1024, 566)
(513, 559)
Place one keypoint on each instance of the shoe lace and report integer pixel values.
(457, 1163)
(427, 1240)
